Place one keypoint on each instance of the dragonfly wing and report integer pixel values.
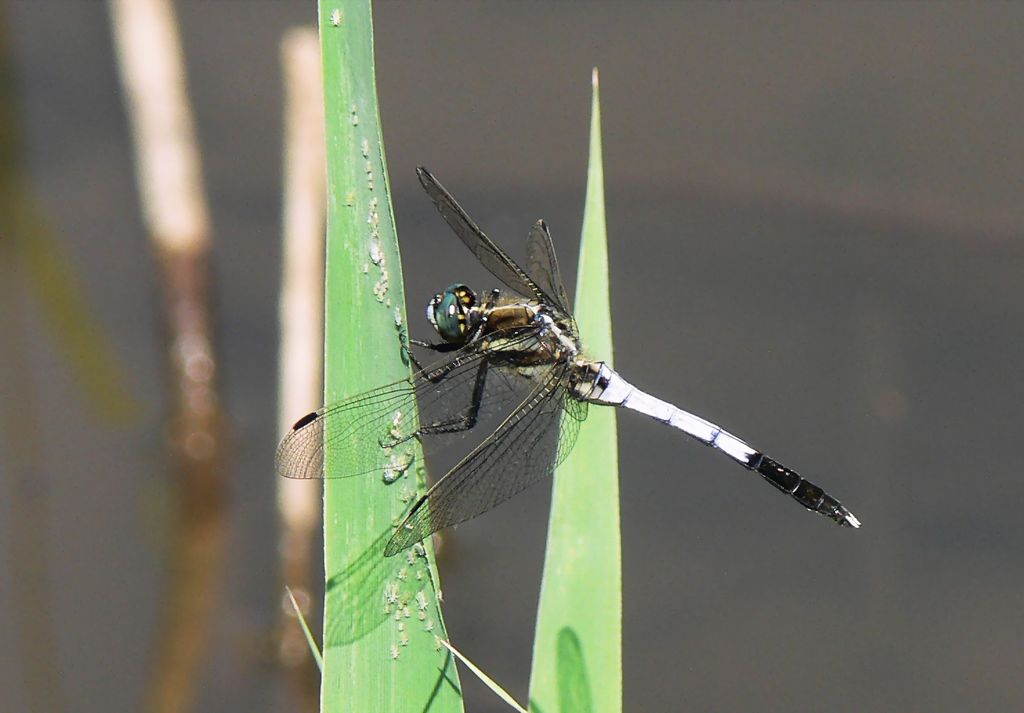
(543, 265)
(497, 262)
(354, 433)
(575, 414)
(520, 452)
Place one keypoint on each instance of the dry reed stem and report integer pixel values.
(171, 189)
(301, 310)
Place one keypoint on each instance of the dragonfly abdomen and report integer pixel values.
(802, 490)
(607, 387)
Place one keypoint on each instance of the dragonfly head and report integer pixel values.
(454, 313)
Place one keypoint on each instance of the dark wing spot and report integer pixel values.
(305, 420)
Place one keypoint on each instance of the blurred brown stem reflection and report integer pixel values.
(197, 444)
(173, 203)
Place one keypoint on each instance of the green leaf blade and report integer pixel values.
(381, 615)
(577, 660)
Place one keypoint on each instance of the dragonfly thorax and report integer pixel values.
(566, 343)
(455, 313)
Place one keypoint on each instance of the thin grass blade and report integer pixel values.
(484, 678)
(313, 648)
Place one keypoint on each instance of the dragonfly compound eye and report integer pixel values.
(453, 313)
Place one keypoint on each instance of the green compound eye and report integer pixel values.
(450, 312)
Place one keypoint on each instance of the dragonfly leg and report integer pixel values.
(441, 348)
(462, 422)
(467, 419)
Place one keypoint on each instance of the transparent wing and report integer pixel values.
(497, 262)
(522, 450)
(575, 414)
(353, 432)
(543, 265)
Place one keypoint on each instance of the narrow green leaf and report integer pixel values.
(313, 650)
(27, 236)
(381, 615)
(485, 679)
(577, 655)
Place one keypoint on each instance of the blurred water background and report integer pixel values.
(817, 240)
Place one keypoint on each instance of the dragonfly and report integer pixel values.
(515, 351)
